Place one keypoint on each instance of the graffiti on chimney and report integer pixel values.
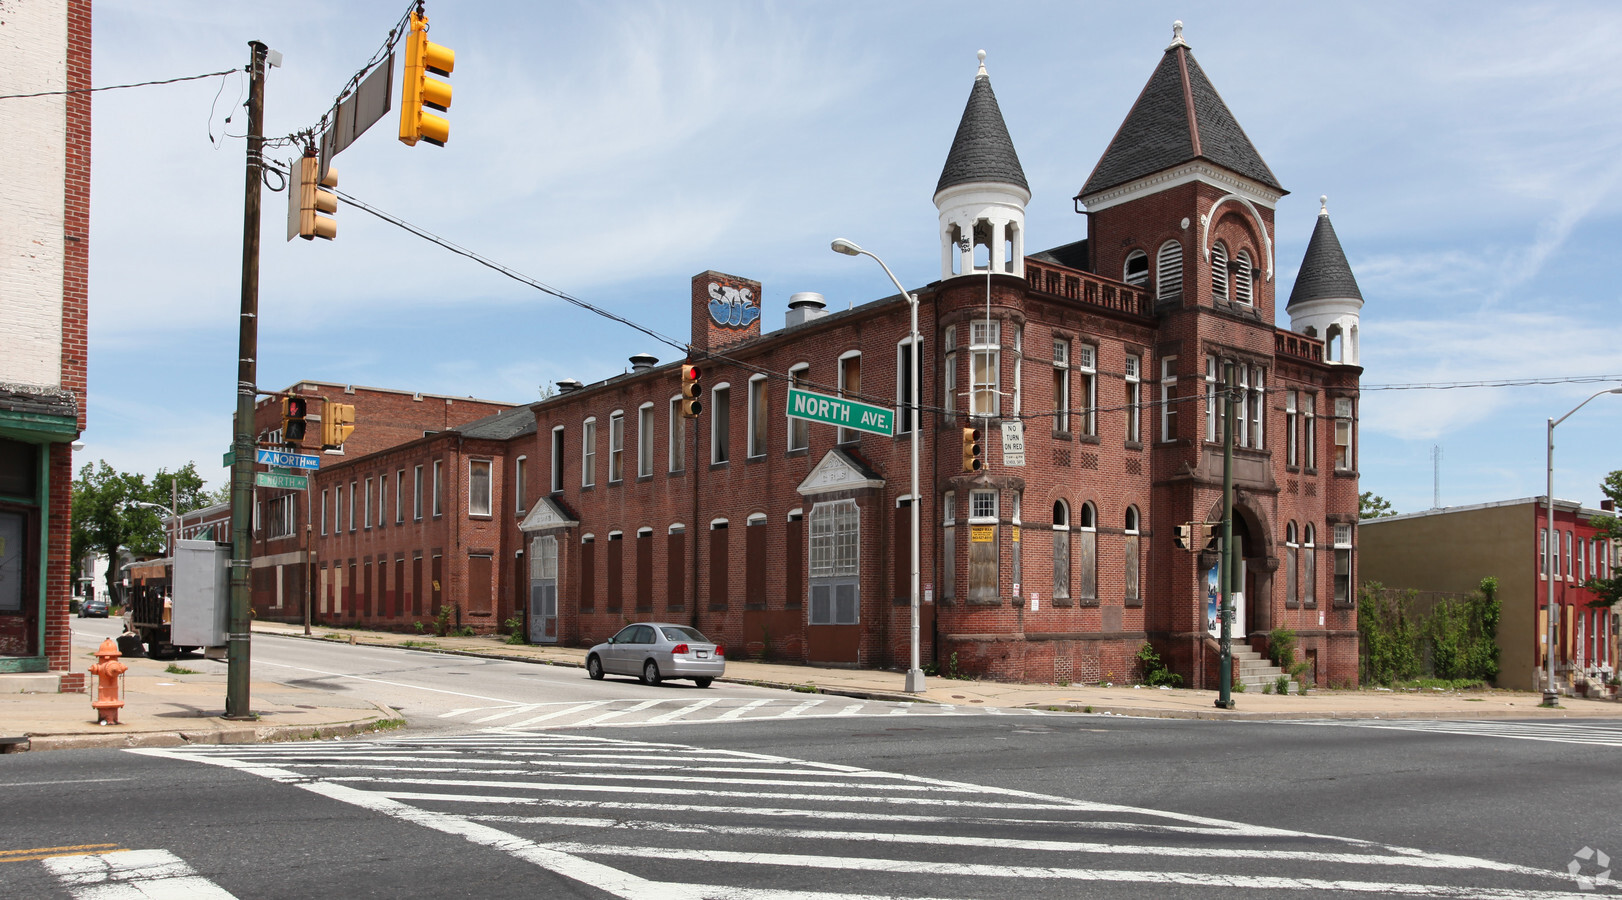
(733, 307)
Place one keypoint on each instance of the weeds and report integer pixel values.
(179, 670)
(1155, 672)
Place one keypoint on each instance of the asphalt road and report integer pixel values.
(871, 803)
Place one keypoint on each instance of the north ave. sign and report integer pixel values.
(841, 412)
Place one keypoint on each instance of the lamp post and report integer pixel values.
(1551, 697)
(915, 675)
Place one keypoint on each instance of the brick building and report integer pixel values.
(790, 539)
(44, 304)
(1453, 548)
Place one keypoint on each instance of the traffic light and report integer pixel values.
(691, 390)
(336, 425)
(1192, 536)
(418, 90)
(973, 451)
(314, 198)
(293, 424)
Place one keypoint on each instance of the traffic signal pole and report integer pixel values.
(242, 440)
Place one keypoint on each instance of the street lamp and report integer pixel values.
(915, 675)
(1551, 697)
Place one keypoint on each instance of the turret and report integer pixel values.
(1325, 302)
(982, 192)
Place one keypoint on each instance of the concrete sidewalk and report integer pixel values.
(166, 709)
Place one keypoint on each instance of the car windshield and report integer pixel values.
(683, 633)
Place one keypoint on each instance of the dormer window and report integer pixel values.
(1137, 269)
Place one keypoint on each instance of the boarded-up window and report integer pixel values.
(901, 541)
(1133, 598)
(644, 569)
(1086, 547)
(719, 569)
(983, 563)
(588, 574)
(1309, 569)
(754, 564)
(1061, 551)
(676, 569)
(366, 591)
(398, 606)
(794, 562)
(479, 594)
(416, 585)
(616, 572)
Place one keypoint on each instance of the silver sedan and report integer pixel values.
(655, 651)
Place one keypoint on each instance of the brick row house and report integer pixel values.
(44, 317)
(790, 539)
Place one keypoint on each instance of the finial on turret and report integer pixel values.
(982, 56)
(1177, 35)
(1323, 204)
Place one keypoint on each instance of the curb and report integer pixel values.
(1240, 716)
(233, 734)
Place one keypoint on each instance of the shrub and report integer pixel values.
(1155, 672)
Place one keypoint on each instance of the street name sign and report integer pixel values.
(287, 460)
(272, 480)
(839, 411)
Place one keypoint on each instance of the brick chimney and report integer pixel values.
(726, 310)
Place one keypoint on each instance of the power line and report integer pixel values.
(116, 87)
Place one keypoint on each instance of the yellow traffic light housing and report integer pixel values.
(692, 390)
(418, 90)
(337, 425)
(293, 424)
(316, 201)
(973, 451)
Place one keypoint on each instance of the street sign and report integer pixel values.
(287, 460)
(230, 458)
(839, 411)
(1013, 443)
(272, 480)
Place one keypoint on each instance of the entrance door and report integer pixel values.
(543, 590)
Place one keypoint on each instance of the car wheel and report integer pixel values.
(594, 668)
(650, 672)
(703, 682)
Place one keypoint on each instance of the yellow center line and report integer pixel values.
(48, 852)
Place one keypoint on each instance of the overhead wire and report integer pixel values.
(116, 87)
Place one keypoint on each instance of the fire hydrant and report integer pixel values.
(107, 672)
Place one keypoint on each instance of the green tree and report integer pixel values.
(1609, 590)
(106, 519)
(1373, 506)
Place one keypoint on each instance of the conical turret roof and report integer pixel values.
(1179, 117)
(1325, 274)
(982, 150)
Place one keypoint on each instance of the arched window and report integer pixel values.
(1061, 551)
(1130, 553)
(1137, 268)
(1309, 567)
(1169, 270)
(1219, 271)
(1241, 278)
(1086, 546)
(1291, 546)
(1333, 348)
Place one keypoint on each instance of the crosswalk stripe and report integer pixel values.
(562, 712)
(615, 713)
(738, 713)
(515, 711)
(140, 874)
(684, 711)
(1552, 732)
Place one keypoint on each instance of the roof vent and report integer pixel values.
(568, 386)
(643, 362)
(805, 306)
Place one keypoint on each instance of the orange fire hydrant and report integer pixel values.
(107, 672)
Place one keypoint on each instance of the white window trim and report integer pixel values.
(755, 416)
(1169, 268)
(719, 413)
(588, 452)
(1134, 398)
(520, 476)
(991, 345)
(616, 446)
(996, 507)
(949, 370)
(489, 487)
(676, 444)
(557, 473)
(644, 439)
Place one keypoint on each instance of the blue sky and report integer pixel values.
(1471, 154)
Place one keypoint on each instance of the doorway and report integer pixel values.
(543, 590)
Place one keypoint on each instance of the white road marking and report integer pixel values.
(514, 711)
(578, 707)
(399, 684)
(738, 713)
(1605, 735)
(851, 710)
(800, 709)
(615, 713)
(11, 784)
(133, 875)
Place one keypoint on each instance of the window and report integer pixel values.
(720, 423)
(835, 528)
(1087, 367)
(757, 416)
(520, 483)
(1569, 569)
(1061, 384)
(354, 488)
(616, 447)
(985, 353)
(1169, 271)
(1061, 551)
(1019, 363)
(416, 494)
(983, 546)
(1309, 430)
(983, 506)
(399, 496)
(1343, 565)
(1343, 433)
(478, 487)
(1543, 551)
(1309, 567)
(588, 452)
(644, 441)
(949, 371)
(1292, 455)
(366, 505)
(1130, 556)
(1134, 400)
(678, 435)
(1136, 270)
(557, 458)
(1219, 271)
(1168, 398)
(799, 430)
(949, 546)
(906, 375)
(1581, 569)
(439, 506)
(382, 499)
(1212, 418)
(1241, 278)
(1258, 406)
(1292, 547)
(282, 514)
(1086, 541)
(1241, 417)
(850, 385)
(324, 511)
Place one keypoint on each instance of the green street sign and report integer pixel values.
(230, 459)
(271, 480)
(839, 411)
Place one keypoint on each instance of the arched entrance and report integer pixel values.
(1253, 573)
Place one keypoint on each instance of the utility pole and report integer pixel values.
(1225, 565)
(242, 443)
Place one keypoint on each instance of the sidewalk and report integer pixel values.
(165, 709)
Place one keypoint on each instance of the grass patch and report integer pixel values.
(806, 688)
(335, 637)
(1442, 684)
(179, 670)
(422, 645)
(388, 725)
